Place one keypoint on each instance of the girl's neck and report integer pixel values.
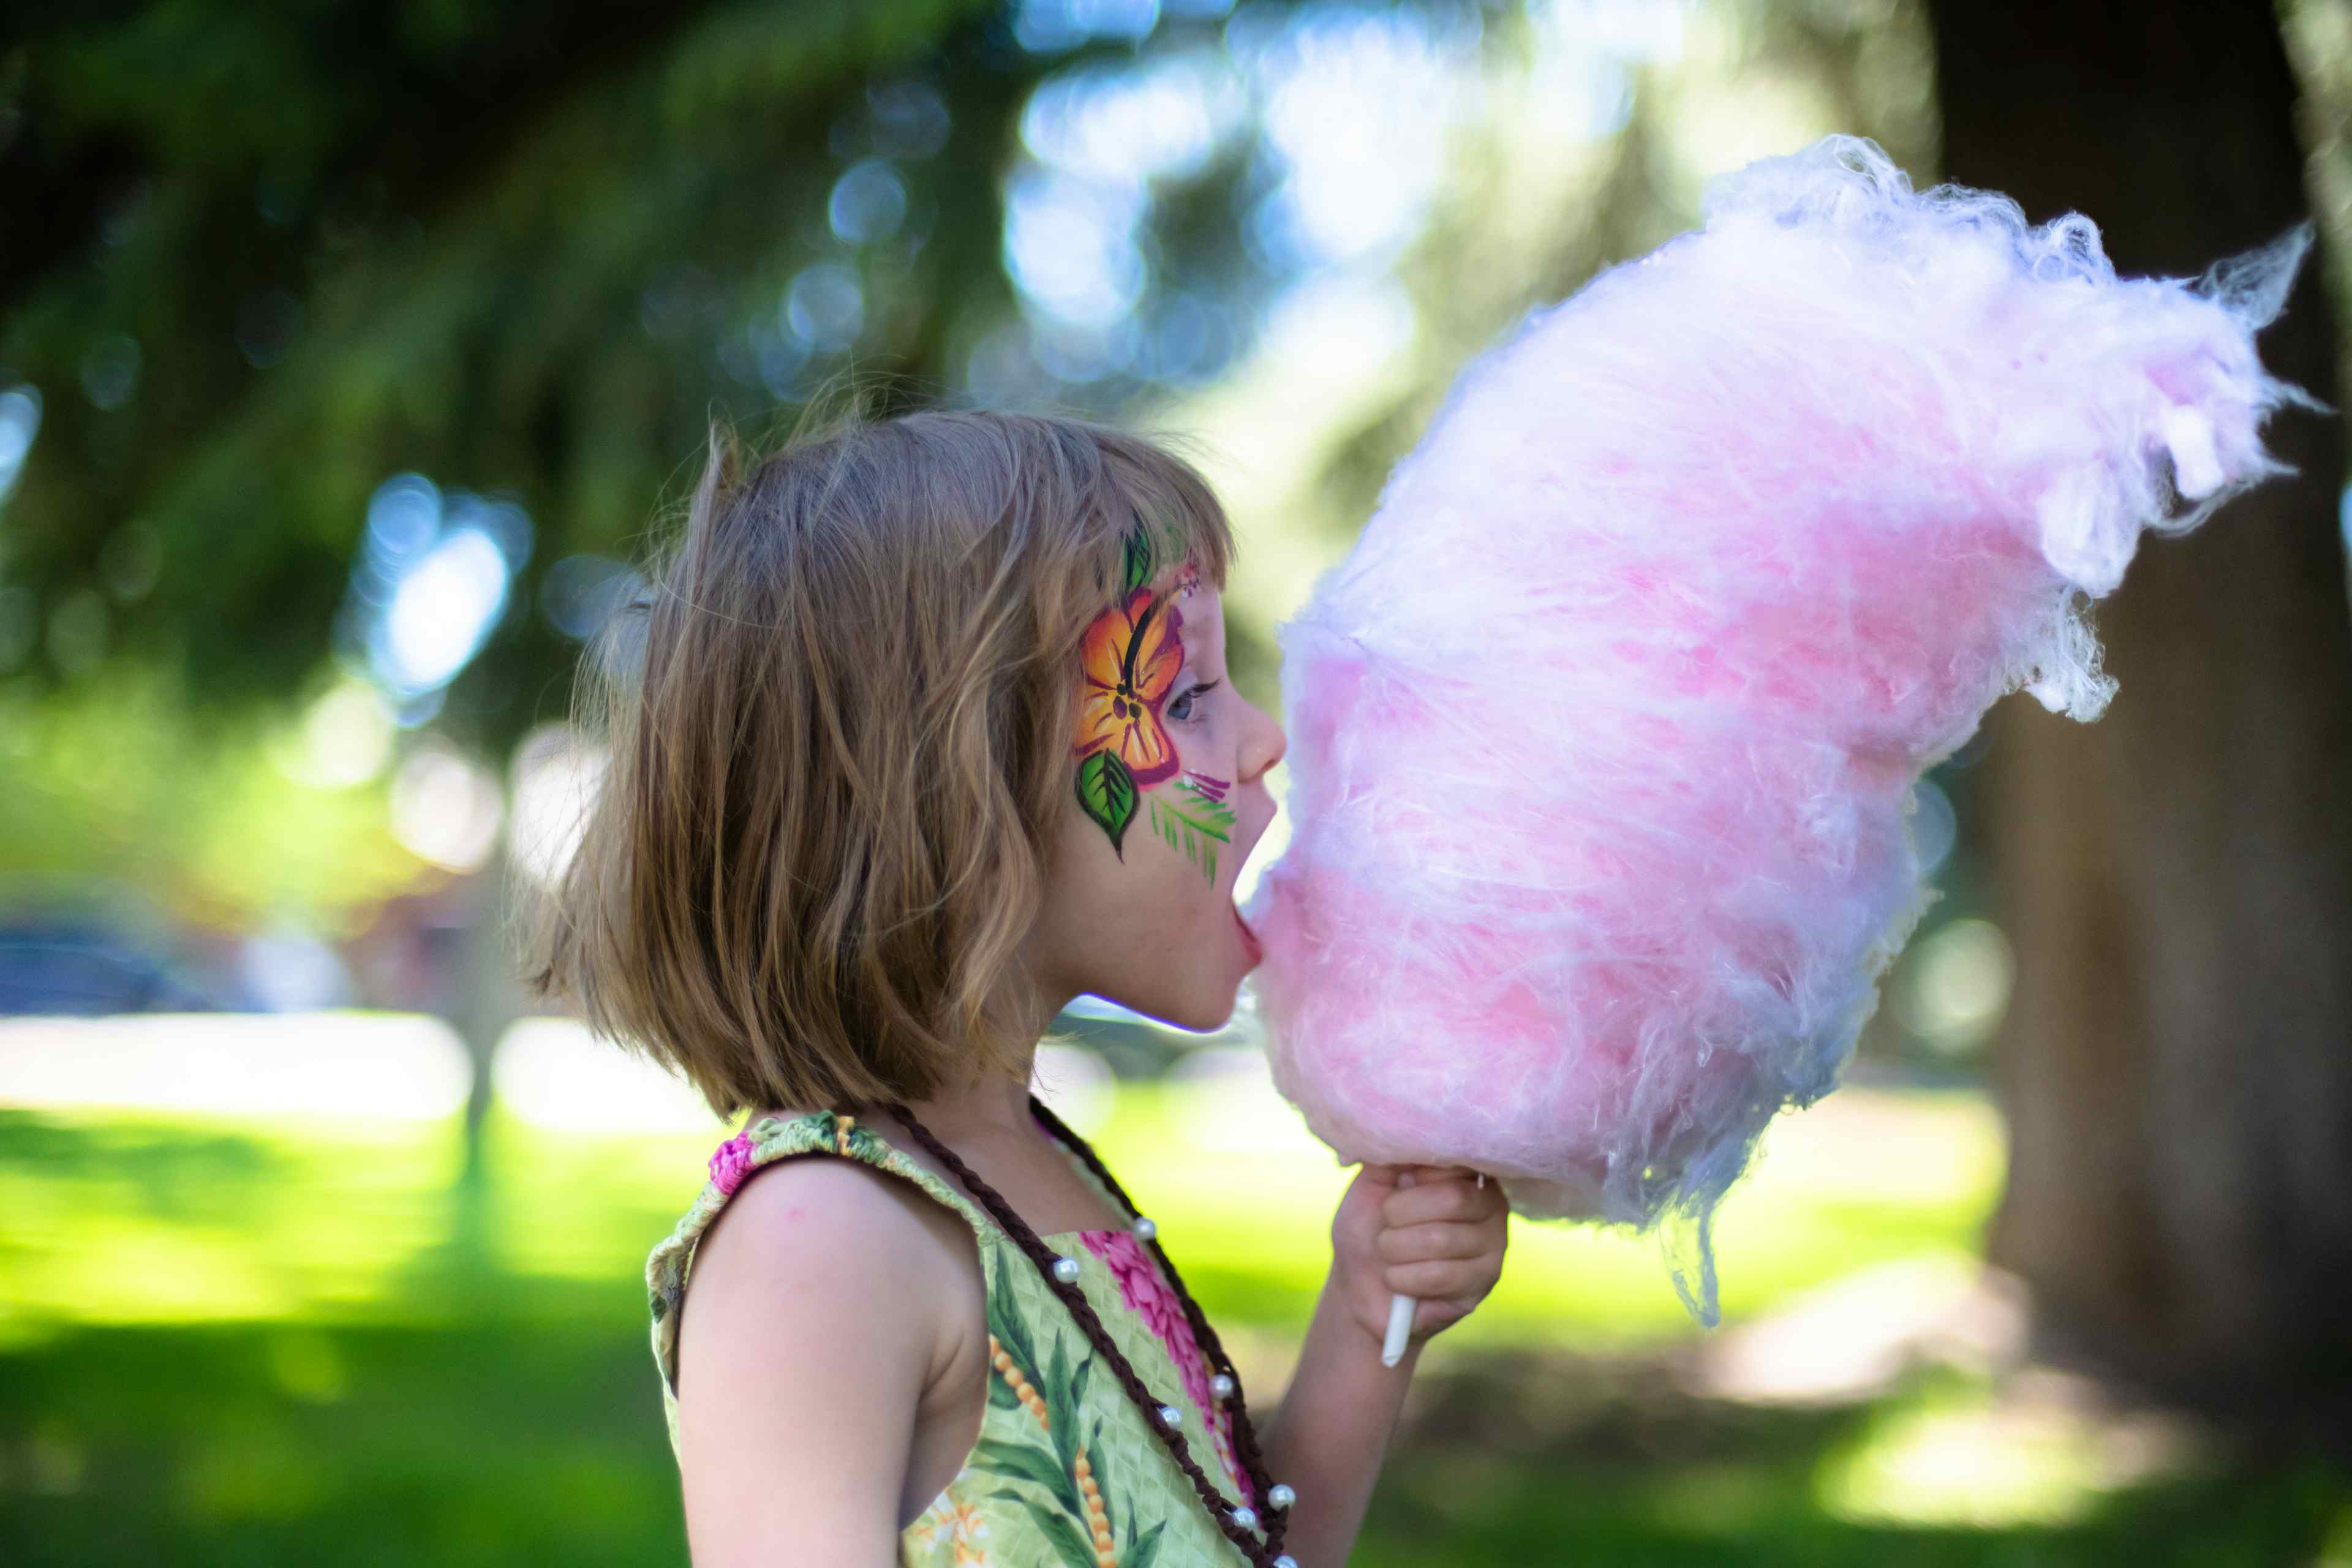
(999, 1103)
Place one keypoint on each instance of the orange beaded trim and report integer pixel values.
(1031, 1400)
(1097, 1521)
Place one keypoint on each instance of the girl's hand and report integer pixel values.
(1429, 1232)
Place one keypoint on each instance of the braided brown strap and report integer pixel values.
(1245, 1435)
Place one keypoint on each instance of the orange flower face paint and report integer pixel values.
(1130, 655)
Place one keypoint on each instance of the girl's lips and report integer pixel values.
(1249, 939)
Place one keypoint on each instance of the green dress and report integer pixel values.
(1066, 1473)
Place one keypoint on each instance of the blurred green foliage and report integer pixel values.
(289, 251)
(123, 787)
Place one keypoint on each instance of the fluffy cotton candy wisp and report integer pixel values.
(1604, 736)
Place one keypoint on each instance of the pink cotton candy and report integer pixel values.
(1603, 739)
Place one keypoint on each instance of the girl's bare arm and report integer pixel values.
(809, 1330)
(1441, 1240)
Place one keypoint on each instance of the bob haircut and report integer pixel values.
(834, 768)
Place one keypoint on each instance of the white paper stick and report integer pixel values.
(1401, 1310)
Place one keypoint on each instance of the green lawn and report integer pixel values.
(265, 1344)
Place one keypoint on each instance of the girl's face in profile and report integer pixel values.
(1170, 798)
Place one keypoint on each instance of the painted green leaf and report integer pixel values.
(1212, 813)
(1106, 793)
(1138, 558)
(1194, 829)
(1146, 1550)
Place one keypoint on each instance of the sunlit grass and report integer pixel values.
(280, 1343)
(1947, 1456)
(120, 1217)
(127, 1217)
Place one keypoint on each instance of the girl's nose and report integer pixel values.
(1264, 745)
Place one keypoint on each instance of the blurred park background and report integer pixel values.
(351, 356)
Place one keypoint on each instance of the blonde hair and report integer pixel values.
(834, 768)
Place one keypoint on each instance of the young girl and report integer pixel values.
(930, 733)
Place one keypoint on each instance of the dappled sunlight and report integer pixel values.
(357, 1308)
(177, 1167)
(113, 1216)
(555, 1075)
(2040, 1449)
(1857, 1337)
(401, 1066)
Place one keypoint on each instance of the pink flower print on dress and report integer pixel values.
(1139, 1282)
(732, 1163)
(1150, 1299)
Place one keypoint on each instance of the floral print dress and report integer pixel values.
(1065, 1472)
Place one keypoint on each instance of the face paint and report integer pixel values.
(1196, 822)
(1130, 658)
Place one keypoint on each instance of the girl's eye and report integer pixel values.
(1181, 708)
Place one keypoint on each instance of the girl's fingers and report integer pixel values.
(1423, 1243)
(1453, 1196)
(1429, 1316)
(1441, 1280)
(1440, 1240)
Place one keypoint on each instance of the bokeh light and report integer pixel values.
(432, 579)
(1954, 986)
(557, 775)
(344, 738)
(20, 421)
(446, 808)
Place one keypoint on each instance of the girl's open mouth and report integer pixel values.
(1249, 939)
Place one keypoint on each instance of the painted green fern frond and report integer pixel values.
(1193, 828)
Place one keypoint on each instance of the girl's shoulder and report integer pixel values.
(778, 1135)
(874, 1239)
(776, 1138)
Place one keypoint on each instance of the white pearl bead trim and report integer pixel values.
(1143, 1228)
(1170, 1416)
(1279, 1496)
(1066, 1270)
(1246, 1517)
(1285, 1560)
(1222, 1386)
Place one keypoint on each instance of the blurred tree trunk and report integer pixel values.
(2177, 1063)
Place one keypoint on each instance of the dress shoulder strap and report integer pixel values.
(765, 1140)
